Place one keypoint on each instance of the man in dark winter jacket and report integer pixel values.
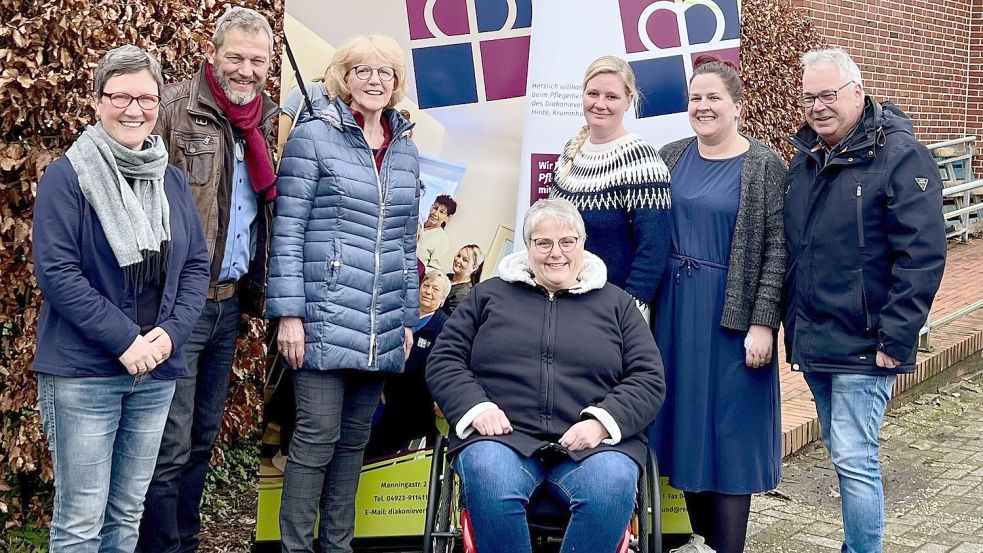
(863, 219)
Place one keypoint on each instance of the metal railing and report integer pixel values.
(963, 192)
(963, 195)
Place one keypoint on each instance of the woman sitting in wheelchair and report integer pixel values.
(549, 377)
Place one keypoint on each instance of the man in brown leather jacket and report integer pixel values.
(216, 126)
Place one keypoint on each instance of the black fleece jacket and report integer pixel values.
(543, 358)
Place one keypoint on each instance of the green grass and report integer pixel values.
(29, 539)
(238, 474)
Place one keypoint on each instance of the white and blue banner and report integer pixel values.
(659, 38)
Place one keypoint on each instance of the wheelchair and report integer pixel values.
(447, 526)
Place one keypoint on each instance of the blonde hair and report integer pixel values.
(472, 252)
(355, 51)
(604, 65)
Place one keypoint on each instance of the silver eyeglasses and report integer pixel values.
(545, 245)
(364, 72)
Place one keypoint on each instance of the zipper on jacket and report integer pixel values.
(550, 332)
(863, 301)
(860, 216)
(372, 344)
(335, 270)
(378, 252)
(378, 241)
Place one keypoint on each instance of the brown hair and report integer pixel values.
(725, 69)
(447, 201)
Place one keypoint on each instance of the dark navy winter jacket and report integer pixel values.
(344, 242)
(866, 245)
(88, 318)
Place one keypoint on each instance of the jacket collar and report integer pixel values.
(202, 103)
(339, 115)
(868, 133)
(514, 268)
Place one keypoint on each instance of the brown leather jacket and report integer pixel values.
(199, 141)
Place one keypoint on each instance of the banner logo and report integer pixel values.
(663, 37)
(469, 51)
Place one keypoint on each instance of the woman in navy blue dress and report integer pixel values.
(718, 435)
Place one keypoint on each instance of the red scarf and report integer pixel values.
(245, 119)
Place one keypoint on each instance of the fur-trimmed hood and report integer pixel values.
(515, 268)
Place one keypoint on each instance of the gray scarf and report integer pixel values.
(135, 219)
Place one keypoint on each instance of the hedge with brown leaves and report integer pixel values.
(774, 35)
(48, 52)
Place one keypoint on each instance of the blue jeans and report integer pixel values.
(497, 483)
(851, 409)
(171, 521)
(103, 434)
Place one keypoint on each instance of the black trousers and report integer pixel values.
(720, 518)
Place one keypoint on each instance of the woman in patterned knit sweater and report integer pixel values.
(619, 183)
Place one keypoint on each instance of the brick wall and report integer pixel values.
(974, 115)
(926, 57)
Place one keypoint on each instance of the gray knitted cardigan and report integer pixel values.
(756, 269)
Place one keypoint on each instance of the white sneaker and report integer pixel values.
(696, 544)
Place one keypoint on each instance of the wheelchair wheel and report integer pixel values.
(441, 534)
(653, 485)
(447, 534)
(643, 511)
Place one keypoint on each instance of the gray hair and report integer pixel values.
(434, 274)
(250, 21)
(553, 209)
(124, 60)
(838, 58)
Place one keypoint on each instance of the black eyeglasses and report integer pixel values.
(826, 97)
(364, 72)
(545, 245)
(122, 100)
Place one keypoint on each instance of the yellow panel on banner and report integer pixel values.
(675, 520)
(392, 500)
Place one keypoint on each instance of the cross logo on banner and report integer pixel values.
(664, 37)
(469, 51)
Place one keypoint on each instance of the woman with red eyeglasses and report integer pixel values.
(121, 261)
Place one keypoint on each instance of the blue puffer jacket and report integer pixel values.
(344, 242)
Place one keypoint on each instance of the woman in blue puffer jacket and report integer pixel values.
(343, 280)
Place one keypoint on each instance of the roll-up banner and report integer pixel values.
(659, 39)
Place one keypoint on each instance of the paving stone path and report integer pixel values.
(932, 459)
